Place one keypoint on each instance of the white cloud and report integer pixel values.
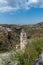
(7, 9)
(13, 5)
(32, 1)
(3, 2)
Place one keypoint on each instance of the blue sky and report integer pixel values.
(21, 11)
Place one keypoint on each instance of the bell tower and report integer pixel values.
(23, 39)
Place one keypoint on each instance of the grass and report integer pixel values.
(33, 50)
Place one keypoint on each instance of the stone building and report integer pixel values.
(23, 39)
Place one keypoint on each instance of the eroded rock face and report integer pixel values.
(10, 63)
(4, 57)
(39, 61)
(41, 57)
(9, 37)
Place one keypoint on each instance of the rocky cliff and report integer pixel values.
(10, 34)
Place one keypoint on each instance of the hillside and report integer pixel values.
(35, 30)
(10, 34)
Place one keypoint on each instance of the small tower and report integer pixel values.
(23, 39)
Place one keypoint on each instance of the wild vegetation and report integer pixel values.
(32, 52)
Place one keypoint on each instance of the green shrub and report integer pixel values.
(33, 50)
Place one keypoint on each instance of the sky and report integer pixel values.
(21, 11)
